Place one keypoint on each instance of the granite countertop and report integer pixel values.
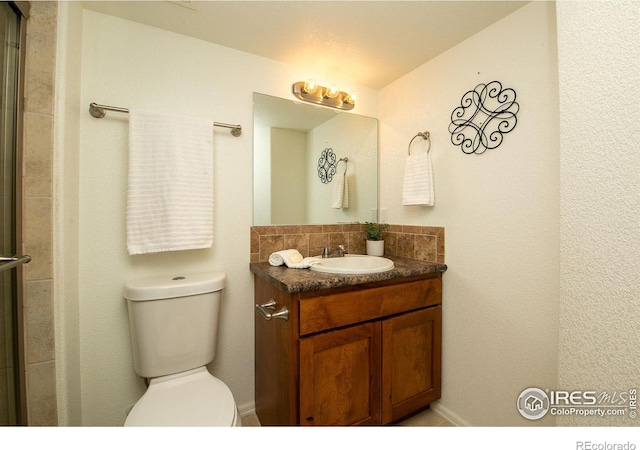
(300, 280)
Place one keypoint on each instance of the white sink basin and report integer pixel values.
(353, 264)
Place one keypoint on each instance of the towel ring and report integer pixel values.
(426, 136)
(345, 159)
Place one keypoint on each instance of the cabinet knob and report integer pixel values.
(271, 305)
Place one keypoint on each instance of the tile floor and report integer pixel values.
(426, 418)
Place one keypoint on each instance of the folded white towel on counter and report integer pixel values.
(418, 181)
(170, 183)
(340, 197)
(292, 258)
(305, 263)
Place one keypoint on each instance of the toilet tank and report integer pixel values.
(173, 321)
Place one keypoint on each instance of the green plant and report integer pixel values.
(374, 230)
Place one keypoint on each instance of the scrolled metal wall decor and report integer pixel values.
(327, 165)
(485, 114)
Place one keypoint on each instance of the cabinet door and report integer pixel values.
(411, 362)
(340, 377)
(275, 360)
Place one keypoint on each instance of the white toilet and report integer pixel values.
(174, 328)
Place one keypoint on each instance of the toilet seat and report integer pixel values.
(191, 398)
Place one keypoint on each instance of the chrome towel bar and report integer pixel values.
(99, 111)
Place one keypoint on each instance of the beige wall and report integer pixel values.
(349, 136)
(66, 225)
(514, 282)
(500, 211)
(179, 75)
(288, 176)
(288, 179)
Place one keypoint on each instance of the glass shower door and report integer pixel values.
(9, 367)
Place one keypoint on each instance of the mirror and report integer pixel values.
(288, 143)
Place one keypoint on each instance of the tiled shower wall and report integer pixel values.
(409, 241)
(38, 214)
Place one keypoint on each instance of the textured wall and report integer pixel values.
(599, 61)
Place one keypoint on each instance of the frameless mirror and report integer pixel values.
(299, 153)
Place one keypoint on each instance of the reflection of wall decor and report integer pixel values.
(327, 165)
(485, 114)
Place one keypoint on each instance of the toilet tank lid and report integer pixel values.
(173, 286)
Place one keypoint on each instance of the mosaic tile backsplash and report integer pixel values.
(409, 241)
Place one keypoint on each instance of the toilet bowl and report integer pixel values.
(174, 324)
(193, 398)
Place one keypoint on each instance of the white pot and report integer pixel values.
(375, 248)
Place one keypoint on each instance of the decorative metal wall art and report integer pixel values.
(485, 114)
(327, 165)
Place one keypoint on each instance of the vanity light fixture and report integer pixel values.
(309, 91)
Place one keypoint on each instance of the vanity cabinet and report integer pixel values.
(340, 377)
(357, 355)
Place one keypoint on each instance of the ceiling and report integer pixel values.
(371, 43)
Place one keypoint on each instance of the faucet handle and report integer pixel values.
(325, 252)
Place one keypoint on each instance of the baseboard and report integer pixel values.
(452, 417)
(247, 409)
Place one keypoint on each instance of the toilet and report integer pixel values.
(174, 327)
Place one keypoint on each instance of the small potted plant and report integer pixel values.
(375, 242)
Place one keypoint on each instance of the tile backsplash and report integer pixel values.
(410, 241)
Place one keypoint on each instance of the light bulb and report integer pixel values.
(332, 92)
(310, 86)
(350, 98)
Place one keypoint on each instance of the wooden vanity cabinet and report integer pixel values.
(358, 355)
(340, 378)
(411, 355)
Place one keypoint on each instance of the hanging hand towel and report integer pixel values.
(418, 181)
(170, 184)
(340, 197)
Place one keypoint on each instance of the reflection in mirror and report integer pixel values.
(288, 140)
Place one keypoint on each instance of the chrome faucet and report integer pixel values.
(339, 251)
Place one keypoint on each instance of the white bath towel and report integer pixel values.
(292, 258)
(418, 181)
(170, 183)
(340, 197)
